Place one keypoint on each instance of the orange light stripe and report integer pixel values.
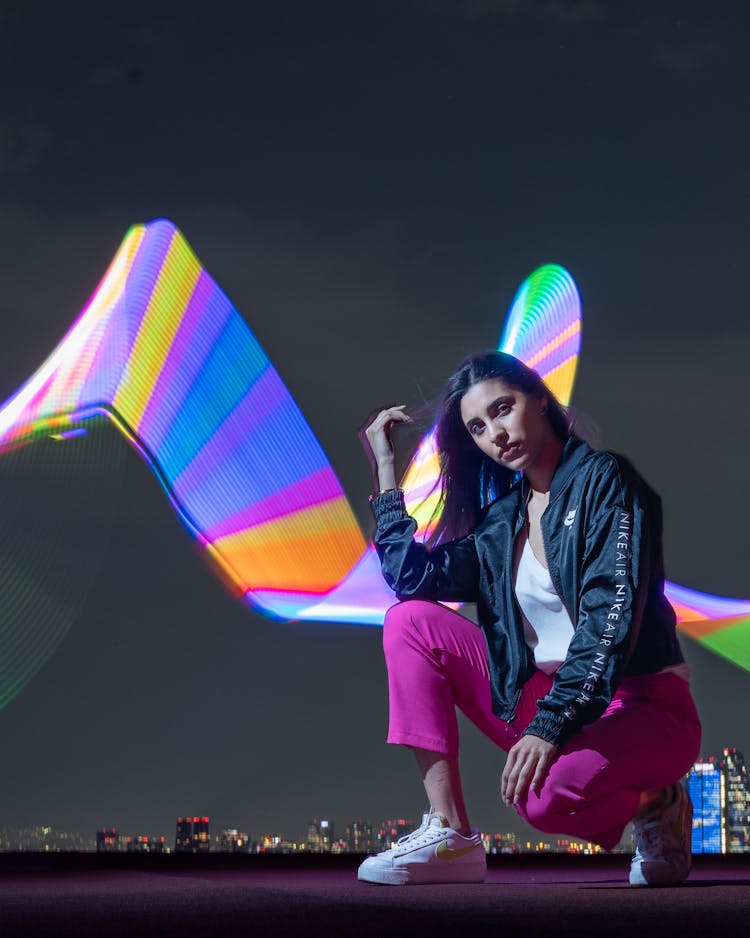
(705, 627)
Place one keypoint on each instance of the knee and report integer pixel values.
(400, 621)
(548, 810)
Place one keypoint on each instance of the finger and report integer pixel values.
(381, 412)
(522, 780)
(505, 778)
(385, 417)
(392, 409)
(542, 768)
(504, 781)
(512, 781)
(393, 414)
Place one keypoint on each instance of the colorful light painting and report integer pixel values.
(543, 329)
(162, 352)
(164, 355)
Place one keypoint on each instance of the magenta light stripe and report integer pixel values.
(557, 357)
(32, 410)
(259, 403)
(321, 486)
(422, 491)
(113, 337)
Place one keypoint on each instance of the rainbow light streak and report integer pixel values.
(161, 351)
(69, 434)
(543, 329)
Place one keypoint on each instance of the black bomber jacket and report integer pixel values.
(602, 541)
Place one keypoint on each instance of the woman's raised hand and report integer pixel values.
(378, 443)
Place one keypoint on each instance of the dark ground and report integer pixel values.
(90, 895)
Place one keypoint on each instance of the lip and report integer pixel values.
(510, 452)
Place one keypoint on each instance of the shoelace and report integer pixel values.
(408, 838)
(424, 834)
(423, 838)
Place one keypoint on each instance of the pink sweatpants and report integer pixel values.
(648, 737)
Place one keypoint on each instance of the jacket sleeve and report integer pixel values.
(448, 572)
(613, 587)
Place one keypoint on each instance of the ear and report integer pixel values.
(543, 403)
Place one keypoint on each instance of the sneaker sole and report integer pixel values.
(422, 874)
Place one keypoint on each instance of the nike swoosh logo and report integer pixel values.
(444, 852)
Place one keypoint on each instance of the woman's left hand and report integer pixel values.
(527, 766)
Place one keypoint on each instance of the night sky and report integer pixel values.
(369, 183)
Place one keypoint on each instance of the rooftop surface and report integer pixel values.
(223, 895)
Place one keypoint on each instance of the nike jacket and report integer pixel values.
(602, 533)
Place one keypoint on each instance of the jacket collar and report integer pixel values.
(574, 452)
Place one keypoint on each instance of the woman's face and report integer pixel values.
(507, 424)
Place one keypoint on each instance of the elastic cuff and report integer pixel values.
(389, 506)
(552, 727)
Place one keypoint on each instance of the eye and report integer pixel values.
(476, 429)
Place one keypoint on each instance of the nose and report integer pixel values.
(498, 433)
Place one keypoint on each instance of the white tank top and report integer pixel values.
(546, 623)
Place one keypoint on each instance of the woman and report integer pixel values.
(578, 675)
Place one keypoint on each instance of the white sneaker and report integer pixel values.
(433, 853)
(663, 842)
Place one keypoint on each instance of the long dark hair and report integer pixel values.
(469, 479)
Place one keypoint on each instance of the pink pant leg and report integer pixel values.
(648, 737)
(437, 660)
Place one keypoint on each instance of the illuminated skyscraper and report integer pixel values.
(319, 836)
(192, 835)
(142, 843)
(201, 840)
(737, 801)
(359, 837)
(233, 841)
(107, 840)
(706, 786)
(183, 841)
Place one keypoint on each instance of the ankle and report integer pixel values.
(653, 799)
(459, 825)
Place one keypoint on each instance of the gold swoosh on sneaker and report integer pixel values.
(444, 852)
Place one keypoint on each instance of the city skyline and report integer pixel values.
(718, 786)
(230, 840)
(369, 187)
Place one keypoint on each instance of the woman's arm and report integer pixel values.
(377, 439)
(448, 572)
